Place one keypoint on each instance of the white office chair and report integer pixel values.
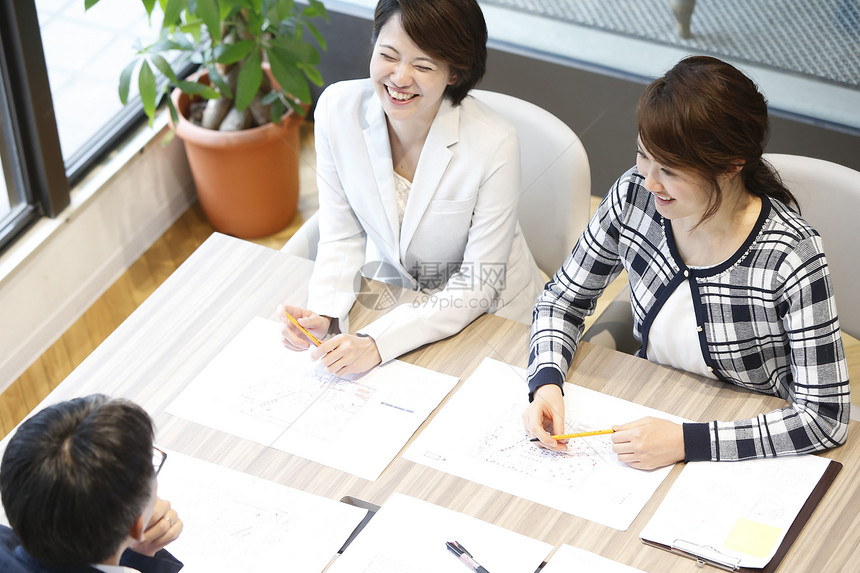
(305, 241)
(554, 206)
(829, 198)
(556, 179)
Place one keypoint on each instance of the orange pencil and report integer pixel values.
(579, 435)
(310, 336)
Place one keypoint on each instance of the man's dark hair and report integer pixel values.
(76, 476)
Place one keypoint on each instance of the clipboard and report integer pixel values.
(371, 508)
(706, 555)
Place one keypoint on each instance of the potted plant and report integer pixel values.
(239, 114)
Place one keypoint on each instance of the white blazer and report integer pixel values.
(459, 242)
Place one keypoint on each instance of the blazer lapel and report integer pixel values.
(379, 151)
(434, 160)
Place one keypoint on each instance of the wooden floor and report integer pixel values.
(157, 263)
(130, 290)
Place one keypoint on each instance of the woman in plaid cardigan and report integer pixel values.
(727, 280)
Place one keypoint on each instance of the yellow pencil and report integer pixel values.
(578, 435)
(310, 336)
(582, 434)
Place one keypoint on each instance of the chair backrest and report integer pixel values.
(556, 182)
(305, 241)
(556, 179)
(829, 197)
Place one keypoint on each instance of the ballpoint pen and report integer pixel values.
(304, 330)
(578, 435)
(464, 556)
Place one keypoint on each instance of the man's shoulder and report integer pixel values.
(13, 559)
(8, 542)
(162, 562)
(9, 563)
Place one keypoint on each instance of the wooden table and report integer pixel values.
(162, 346)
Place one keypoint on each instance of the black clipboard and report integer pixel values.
(710, 556)
(371, 508)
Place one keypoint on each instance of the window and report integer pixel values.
(59, 107)
(34, 181)
(85, 51)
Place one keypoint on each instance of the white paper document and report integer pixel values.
(479, 436)
(408, 535)
(258, 390)
(735, 511)
(569, 559)
(237, 522)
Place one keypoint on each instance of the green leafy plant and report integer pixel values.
(232, 40)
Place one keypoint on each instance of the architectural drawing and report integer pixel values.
(311, 398)
(489, 445)
(507, 446)
(234, 521)
(256, 389)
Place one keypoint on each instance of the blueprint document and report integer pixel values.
(237, 522)
(258, 390)
(479, 436)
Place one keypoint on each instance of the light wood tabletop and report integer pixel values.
(162, 346)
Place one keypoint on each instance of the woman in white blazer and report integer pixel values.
(418, 186)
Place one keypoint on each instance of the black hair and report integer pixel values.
(76, 476)
(451, 31)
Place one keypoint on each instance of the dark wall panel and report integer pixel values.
(599, 105)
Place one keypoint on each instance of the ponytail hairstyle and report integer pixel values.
(705, 116)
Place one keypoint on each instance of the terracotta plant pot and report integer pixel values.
(247, 181)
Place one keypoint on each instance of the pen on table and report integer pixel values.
(310, 336)
(464, 556)
(577, 435)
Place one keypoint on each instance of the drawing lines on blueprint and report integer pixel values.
(507, 446)
(330, 401)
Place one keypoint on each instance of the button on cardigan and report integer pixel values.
(767, 315)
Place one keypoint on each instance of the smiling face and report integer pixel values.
(409, 82)
(677, 194)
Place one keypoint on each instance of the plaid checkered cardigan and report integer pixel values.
(766, 320)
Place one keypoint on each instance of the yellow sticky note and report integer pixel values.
(752, 538)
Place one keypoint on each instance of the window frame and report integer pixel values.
(34, 152)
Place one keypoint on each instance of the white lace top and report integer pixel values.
(402, 186)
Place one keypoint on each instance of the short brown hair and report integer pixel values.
(706, 116)
(451, 31)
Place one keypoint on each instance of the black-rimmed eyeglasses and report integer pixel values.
(158, 458)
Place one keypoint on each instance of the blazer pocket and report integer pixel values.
(443, 206)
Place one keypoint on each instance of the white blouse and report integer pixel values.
(674, 337)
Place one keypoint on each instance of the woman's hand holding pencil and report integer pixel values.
(302, 327)
(545, 417)
(341, 355)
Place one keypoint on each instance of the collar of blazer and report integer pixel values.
(434, 160)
